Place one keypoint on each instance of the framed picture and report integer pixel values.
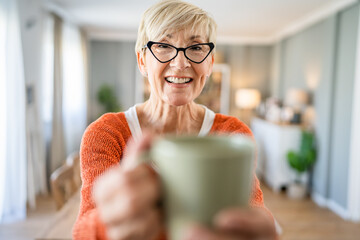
(216, 92)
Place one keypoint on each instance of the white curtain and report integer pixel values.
(69, 117)
(47, 75)
(33, 43)
(74, 87)
(12, 119)
(57, 148)
(47, 72)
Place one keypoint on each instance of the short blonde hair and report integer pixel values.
(169, 15)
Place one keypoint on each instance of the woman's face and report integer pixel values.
(165, 78)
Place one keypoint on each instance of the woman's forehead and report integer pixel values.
(187, 34)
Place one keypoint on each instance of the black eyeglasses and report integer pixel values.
(164, 52)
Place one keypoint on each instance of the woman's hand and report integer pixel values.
(236, 224)
(126, 198)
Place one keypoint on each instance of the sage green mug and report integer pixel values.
(201, 176)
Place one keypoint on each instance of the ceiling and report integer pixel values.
(239, 21)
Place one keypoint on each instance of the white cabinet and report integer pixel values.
(273, 143)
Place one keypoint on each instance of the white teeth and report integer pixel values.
(177, 80)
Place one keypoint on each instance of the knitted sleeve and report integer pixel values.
(230, 125)
(102, 146)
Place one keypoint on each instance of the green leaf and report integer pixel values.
(302, 160)
(107, 97)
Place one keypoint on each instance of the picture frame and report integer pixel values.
(216, 92)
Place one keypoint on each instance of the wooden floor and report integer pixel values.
(35, 223)
(299, 220)
(304, 220)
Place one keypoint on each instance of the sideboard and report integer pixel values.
(273, 142)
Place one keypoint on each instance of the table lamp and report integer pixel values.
(247, 99)
(297, 99)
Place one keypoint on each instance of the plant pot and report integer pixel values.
(297, 191)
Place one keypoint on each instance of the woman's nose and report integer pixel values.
(180, 61)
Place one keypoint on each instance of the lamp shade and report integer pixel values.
(247, 98)
(296, 97)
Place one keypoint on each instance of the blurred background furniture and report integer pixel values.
(216, 92)
(66, 180)
(274, 141)
(65, 188)
(247, 100)
(297, 99)
(60, 226)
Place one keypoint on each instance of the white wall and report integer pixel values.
(321, 59)
(31, 15)
(31, 26)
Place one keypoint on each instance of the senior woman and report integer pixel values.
(175, 51)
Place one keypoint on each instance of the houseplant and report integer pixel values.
(107, 97)
(301, 161)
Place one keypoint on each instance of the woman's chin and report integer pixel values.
(178, 102)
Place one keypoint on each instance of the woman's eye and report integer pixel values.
(162, 46)
(195, 48)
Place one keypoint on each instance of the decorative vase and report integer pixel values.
(297, 191)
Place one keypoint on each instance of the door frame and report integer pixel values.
(354, 163)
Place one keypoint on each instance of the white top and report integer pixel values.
(134, 125)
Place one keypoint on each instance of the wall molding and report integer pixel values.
(244, 40)
(319, 199)
(338, 209)
(354, 162)
(110, 35)
(291, 29)
(330, 204)
(312, 19)
(61, 12)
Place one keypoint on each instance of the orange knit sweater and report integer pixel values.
(103, 145)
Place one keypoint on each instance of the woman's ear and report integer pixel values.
(141, 63)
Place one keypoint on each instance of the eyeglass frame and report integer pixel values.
(150, 43)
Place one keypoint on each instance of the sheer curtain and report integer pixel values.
(57, 148)
(69, 116)
(47, 84)
(12, 120)
(74, 87)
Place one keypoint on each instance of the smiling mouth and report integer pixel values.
(178, 80)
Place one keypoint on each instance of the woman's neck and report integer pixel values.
(163, 118)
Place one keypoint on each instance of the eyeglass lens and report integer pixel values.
(164, 52)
